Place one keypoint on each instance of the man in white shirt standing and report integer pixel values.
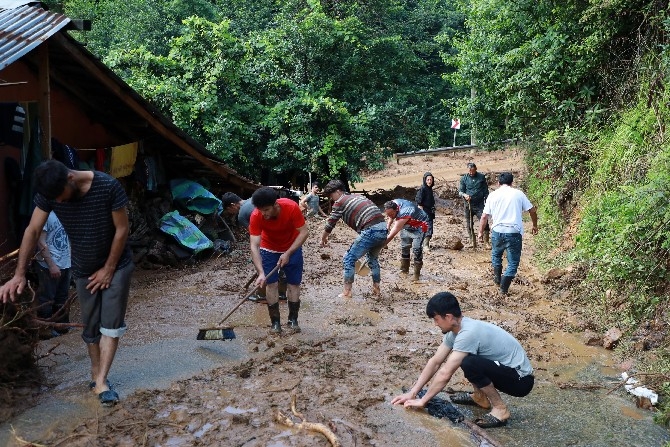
(504, 207)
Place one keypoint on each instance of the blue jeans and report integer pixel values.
(52, 293)
(411, 240)
(512, 242)
(370, 241)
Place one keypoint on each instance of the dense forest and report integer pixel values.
(334, 87)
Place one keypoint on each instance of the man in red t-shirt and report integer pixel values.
(277, 231)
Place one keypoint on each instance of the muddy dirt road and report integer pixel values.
(352, 357)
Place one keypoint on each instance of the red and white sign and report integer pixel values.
(455, 123)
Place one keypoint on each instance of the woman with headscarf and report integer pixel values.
(426, 201)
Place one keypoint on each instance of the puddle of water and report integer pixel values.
(447, 434)
(632, 413)
(423, 429)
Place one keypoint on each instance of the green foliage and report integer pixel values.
(662, 416)
(130, 24)
(542, 66)
(624, 233)
(296, 85)
(623, 155)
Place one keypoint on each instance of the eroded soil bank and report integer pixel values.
(349, 361)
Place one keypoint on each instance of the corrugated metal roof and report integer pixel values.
(24, 28)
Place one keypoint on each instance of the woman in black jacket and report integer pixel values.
(426, 201)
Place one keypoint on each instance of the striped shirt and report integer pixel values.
(356, 211)
(89, 225)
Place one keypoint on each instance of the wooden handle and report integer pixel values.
(272, 272)
(250, 280)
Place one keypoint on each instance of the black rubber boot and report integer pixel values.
(497, 271)
(426, 243)
(417, 270)
(505, 282)
(273, 310)
(404, 265)
(282, 285)
(293, 309)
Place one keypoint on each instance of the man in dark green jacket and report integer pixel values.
(475, 190)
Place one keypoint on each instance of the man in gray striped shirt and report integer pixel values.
(91, 206)
(364, 217)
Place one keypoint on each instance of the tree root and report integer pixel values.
(579, 386)
(22, 441)
(311, 426)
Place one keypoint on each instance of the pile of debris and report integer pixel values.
(19, 337)
(163, 230)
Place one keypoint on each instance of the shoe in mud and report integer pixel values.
(276, 328)
(293, 326)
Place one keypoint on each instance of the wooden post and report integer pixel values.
(44, 100)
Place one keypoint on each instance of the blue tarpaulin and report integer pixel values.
(185, 232)
(194, 196)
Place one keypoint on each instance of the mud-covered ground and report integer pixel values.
(351, 358)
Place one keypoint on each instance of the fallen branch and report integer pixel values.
(293, 409)
(9, 255)
(22, 310)
(579, 386)
(38, 322)
(22, 441)
(48, 353)
(311, 426)
(481, 433)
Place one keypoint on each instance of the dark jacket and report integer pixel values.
(425, 197)
(476, 187)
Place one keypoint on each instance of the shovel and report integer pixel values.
(227, 333)
(471, 225)
(361, 268)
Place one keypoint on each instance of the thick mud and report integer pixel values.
(351, 358)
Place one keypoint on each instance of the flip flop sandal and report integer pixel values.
(489, 421)
(108, 398)
(91, 384)
(463, 399)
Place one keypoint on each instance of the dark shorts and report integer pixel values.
(482, 372)
(293, 270)
(103, 313)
